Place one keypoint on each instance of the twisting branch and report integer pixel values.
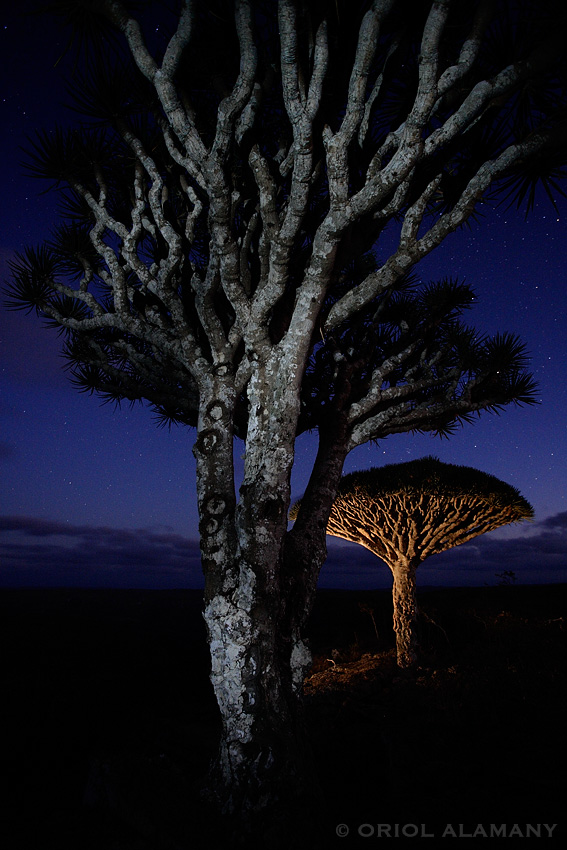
(336, 145)
(410, 250)
(426, 94)
(470, 49)
(232, 106)
(162, 78)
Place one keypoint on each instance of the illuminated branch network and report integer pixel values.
(413, 510)
(404, 513)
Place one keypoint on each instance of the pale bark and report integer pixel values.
(404, 599)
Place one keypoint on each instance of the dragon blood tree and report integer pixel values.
(405, 512)
(243, 199)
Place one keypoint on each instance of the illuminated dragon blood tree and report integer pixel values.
(406, 512)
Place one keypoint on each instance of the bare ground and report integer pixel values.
(109, 719)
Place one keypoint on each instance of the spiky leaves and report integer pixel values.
(428, 476)
(409, 363)
(105, 354)
(421, 479)
(32, 280)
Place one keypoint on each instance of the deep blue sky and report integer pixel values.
(96, 496)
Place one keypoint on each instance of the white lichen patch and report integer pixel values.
(231, 635)
(300, 662)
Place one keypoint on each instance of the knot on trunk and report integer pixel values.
(264, 507)
(216, 410)
(213, 511)
(206, 441)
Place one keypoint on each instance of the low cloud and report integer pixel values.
(36, 552)
(45, 553)
(557, 523)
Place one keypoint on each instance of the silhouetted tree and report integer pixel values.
(221, 256)
(406, 512)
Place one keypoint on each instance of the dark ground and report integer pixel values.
(110, 719)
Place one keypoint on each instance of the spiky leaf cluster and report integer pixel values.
(412, 338)
(430, 476)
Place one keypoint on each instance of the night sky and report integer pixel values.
(92, 496)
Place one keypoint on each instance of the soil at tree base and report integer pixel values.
(110, 721)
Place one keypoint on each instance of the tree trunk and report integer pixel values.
(306, 542)
(263, 779)
(405, 613)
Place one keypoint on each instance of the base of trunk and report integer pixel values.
(263, 782)
(274, 801)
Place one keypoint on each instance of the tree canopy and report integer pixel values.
(406, 512)
(424, 504)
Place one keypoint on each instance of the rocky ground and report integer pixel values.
(109, 719)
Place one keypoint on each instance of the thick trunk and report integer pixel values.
(263, 779)
(405, 613)
(216, 497)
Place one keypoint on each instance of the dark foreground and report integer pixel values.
(110, 720)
